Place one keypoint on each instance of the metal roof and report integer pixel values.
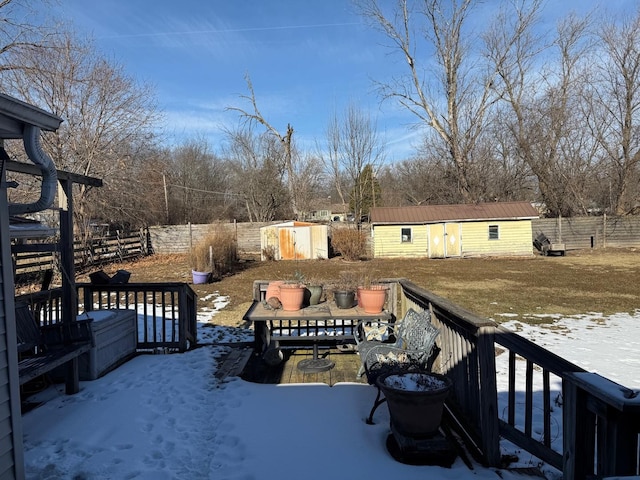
(453, 213)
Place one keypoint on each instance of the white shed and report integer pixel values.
(294, 241)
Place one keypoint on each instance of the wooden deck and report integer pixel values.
(346, 367)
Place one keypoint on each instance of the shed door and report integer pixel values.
(295, 243)
(437, 247)
(444, 240)
(453, 246)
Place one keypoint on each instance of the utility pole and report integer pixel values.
(166, 198)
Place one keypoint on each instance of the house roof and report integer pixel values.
(451, 213)
(14, 114)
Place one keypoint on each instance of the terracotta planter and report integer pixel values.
(372, 299)
(415, 401)
(273, 289)
(292, 296)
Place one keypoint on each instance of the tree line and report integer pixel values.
(508, 110)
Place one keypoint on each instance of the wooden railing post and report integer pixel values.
(490, 426)
(601, 427)
(575, 438)
(87, 299)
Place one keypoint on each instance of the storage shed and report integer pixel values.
(294, 241)
(439, 231)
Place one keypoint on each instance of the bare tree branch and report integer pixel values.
(285, 139)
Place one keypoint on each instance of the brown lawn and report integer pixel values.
(604, 280)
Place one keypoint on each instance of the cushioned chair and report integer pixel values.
(409, 344)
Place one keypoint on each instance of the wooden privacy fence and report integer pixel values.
(599, 421)
(590, 232)
(96, 251)
(166, 312)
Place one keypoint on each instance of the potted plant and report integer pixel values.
(273, 289)
(314, 292)
(213, 255)
(344, 291)
(415, 400)
(200, 258)
(292, 293)
(371, 295)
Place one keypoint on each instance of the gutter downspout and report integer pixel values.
(31, 141)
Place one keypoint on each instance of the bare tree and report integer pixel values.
(286, 140)
(108, 117)
(18, 34)
(543, 103)
(615, 110)
(310, 185)
(352, 144)
(195, 183)
(258, 174)
(450, 91)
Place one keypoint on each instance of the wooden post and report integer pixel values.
(488, 408)
(578, 436)
(560, 228)
(67, 265)
(166, 197)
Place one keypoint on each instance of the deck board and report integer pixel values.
(345, 370)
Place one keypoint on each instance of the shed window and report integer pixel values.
(494, 232)
(406, 235)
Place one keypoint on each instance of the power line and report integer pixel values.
(203, 191)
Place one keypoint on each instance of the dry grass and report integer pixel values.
(531, 288)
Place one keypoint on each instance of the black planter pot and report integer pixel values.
(415, 413)
(344, 298)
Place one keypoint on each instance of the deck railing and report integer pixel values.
(599, 420)
(589, 425)
(166, 311)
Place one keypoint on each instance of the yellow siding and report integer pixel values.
(387, 241)
(515, 238)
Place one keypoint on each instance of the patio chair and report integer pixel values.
(407, 345)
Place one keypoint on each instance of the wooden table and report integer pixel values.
(316, 325)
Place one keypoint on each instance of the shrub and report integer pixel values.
(350, 243)
(217, 252)
(269, 253)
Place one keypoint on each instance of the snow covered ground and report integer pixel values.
(167, 417)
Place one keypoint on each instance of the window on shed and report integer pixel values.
(406, 235)
(494, 232)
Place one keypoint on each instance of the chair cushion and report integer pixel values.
(376, 332)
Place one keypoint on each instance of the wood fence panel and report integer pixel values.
(590, 232)
(30, 261)
(180, 238)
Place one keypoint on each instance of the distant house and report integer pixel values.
(439, 231)
(319, 210)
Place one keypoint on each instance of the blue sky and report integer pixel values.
(306, 59)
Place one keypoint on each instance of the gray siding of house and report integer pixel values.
(11, 449)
